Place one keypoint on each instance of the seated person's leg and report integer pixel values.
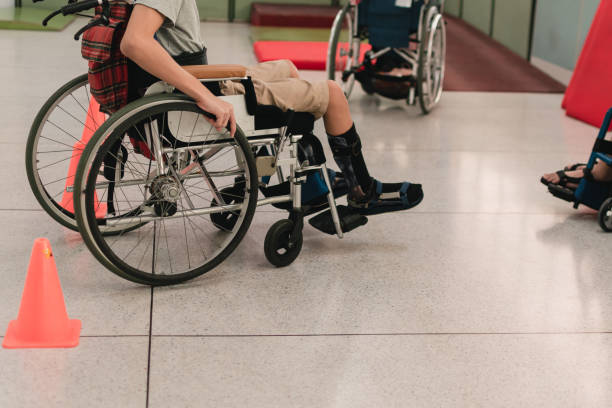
(366, 194)
(326, 99)
(271, 71)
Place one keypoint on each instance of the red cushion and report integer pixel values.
(589, 94)
(292, 15)
(304, 54)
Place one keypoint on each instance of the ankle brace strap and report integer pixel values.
(346, 144)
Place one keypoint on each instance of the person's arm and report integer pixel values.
(140, 46)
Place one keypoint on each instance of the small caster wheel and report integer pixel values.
(226, 221)
(605, 215)
(279, 251)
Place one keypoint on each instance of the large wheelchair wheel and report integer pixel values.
(54, 145)
(432, 57)
(343, 50)
(164, 168)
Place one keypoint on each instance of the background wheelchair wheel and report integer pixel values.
(54, 144)
(225, 221)
(343, 50)
(605, 215)
(177, 164)
(277, 248)
(432, 57)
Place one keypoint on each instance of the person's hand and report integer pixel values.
(223, 111)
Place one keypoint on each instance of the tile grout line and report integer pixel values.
(411, 213)
(149, 352)
(380, 334)
(150, 335)
(23, 209)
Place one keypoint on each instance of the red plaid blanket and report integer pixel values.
(108, 72)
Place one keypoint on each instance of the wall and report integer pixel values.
(478, 14)
(213, 9)
(6, 3)
(243, 7)
(512, 24)
(508, 22)
(561, 27)
(453, 7)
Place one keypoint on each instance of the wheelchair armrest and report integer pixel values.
(219, 71)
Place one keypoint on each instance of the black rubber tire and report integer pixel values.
(603, 217)
(226, 221)
(422, 59)
(91, 236)
(334, 38)
(277, 239)
(40, 193)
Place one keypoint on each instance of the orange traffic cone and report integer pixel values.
(42, 321)
(94, 120)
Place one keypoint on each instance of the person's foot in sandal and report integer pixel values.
(574, 166)
(565, 178)
(570, 179)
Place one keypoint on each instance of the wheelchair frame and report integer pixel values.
(278, 140)
(427, 61)
(170, 169)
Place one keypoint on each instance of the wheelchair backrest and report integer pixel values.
(389, 25)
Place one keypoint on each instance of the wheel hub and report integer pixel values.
(166, 188)
(165, 191)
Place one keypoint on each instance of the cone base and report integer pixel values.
(68, 205)
(70, 339)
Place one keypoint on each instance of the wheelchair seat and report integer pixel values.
(269, 116)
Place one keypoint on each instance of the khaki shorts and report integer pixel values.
(274, 86)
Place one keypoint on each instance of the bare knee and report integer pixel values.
(335, 92)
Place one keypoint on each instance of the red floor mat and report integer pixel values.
(304, 54)
(293, 15)
(589, 94)
(475, 62)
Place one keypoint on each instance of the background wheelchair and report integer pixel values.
(412, 37)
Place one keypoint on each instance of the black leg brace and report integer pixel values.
(347, 154)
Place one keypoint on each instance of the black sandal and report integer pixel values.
(574, 166)
(563, 179)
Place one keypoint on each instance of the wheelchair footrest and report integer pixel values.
(349, 220)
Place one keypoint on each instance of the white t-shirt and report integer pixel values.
(180, 32)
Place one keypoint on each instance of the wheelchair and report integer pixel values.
(160, 196)
(594, 194)
(413, 37)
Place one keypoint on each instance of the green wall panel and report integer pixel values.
(209, 9)
(453, 7)
(560, 29)
(589, 9)
(213, 9)
(511, 23)
(47, 4)
(243, 7)
(478, 13)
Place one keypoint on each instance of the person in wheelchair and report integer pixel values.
(162, 35)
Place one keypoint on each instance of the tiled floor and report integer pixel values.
(489, 294)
